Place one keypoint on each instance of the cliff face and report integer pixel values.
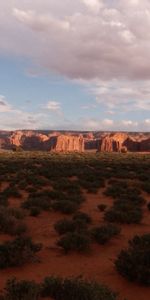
(31, 140)
(119, 142)
(65, 143)
(28, 140)
(113, 142)
(70, 141)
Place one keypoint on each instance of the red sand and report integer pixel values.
(98, 264)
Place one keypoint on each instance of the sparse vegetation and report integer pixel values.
(104, 233)
(134, 262)
(75, 288)
(17, 252)
(75, 242)
(34, 182)
(57, 288)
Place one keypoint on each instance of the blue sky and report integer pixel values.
(79, 66)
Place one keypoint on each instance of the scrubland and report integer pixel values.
(74, 226)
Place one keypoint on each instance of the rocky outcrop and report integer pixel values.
(75, 141)
(28, 140)
(122, 142)
(65, 143)
(113, 142)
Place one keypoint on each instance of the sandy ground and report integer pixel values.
(97, 265)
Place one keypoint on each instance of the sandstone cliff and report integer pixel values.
(119, 142)
(75, 141)
(65, 143)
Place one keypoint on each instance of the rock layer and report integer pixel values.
(75, 141)
(122, 142)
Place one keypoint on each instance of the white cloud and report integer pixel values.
(67, 38)
(103, 43)
(122, 96)
(53, 106)
(93, 5)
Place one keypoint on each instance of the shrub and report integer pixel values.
(65, 226)
(21, 290)
(10, 223)
(41, 203)
(65, 206)
(74, 242)
(35, 211)
(148, 206)
(82, 216)
(102, 207)
(16, 212)
(134, 262)
(124, 214)
(104, 233)
(17, 252)
(75, 288)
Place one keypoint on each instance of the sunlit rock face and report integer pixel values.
(67, 143)
(118, 142)
(28, 140)
(113, 142)
(75, 141)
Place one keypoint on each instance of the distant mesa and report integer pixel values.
(68, 141)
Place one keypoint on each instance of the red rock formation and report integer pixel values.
(65, 143)
(74, 141)
(113, 142)
(28, 140)
(131, 142)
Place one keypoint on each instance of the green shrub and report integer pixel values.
(74, 242)
(41, 203)
(134, 262)
(65, 206)
(82, 216)
(104, 233)
(17, 252)
(10, 223)
(64, 226)
(21, 290)
(128, 215)
(75, 289)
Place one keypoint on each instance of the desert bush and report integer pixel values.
(16, 212)
(75, 288)
(134, 263)
(82, 216)
(41, 203)
(21, 290)
(17, 252)
(124, 214)
(74, 242)
(64, 226)
(104, 233)
(65, 206)
(35, 211)
(102, 207)
(11, 192)
(10, 223)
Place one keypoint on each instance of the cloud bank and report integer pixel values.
(105, 45)
(89, 39)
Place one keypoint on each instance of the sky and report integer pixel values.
(75, 65)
